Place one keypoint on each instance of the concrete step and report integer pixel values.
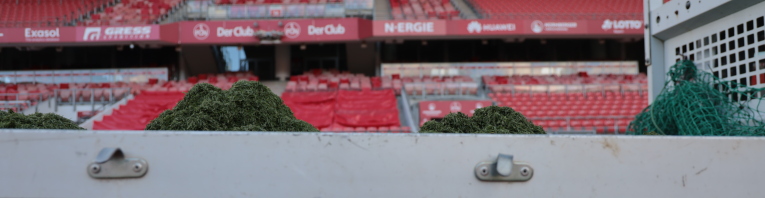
(382, 10)
(465, 8)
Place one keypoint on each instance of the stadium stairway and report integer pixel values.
(382, 10)
(560, 10)
(42, 13)
(465, 9)
(136, 113)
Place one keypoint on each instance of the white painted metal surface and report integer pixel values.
(216, 164)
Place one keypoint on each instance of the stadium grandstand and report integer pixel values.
(342, 65)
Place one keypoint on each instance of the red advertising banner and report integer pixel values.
(544, 27)
(554, 27)
(609, 26)
(301, 30)
(118, 33)
(313, 30)
(169, 33)
(409, 28)
(37, 35)
(485, 27)
(438, 109)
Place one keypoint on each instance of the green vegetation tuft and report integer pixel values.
(247, 106)
(492, 119)
(11, 120)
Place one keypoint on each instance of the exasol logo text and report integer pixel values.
(117, 33)
(42, 35)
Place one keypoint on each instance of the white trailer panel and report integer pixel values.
(240, 164)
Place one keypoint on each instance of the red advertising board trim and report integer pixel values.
(299, 30)
(169, 33)
(313, 30)
(543, 27)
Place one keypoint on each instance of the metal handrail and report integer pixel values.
(440, 88)
(508, 68)
(83, 75)
(408, 113)
(16, 105)
(33, 97)
(74, 101)
(580, 88)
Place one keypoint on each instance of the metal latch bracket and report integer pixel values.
(111, 164)
(503, 169)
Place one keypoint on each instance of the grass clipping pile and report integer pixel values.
(247, 106)
(491, 119)
(11, 120)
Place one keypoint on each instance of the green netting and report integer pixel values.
(694, 102)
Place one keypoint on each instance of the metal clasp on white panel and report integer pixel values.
(503, 169)
(111, 163)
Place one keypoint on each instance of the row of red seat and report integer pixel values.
(359, 110)
(566, 79)
(575, 105)
(560, 10)
(133, 12)
(590, 99)
(608, 112)
(29, 13)
(580, 113)
(139, 111)
(320, 80)
(155, 97)
(543, 95)
(86, 92)
(423, 9)
(274, 1)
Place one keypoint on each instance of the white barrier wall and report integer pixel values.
(259, 164)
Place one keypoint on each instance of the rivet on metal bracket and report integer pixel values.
(503, 169)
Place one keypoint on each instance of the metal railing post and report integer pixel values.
(92, 99)
(56, 98)
(74, 100)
